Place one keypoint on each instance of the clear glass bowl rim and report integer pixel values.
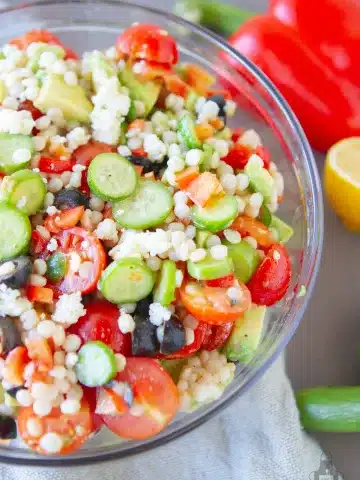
(315, 229)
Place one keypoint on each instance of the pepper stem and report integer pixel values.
(219, 17)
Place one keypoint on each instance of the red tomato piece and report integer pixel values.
(271, 280)
(238, 157)
(155, 391)
(39, 294)
(55, 165)
(74, 429)
(90, 249)
(212, 305)
(110, 403)
(40, 352)
(223, 282)
(101, 323)
(216, 336)
(70, 54)
(189, 350)
(148, 42)
(29, 106)
(264, 154)
(90, 394)
(203, 188)
(198, 78)
(15, 364)
(250, 226)
(38, 243)
(35, 36)
(236, 134)
(66, 219)
(175, 85)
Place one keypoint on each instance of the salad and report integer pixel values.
(139, 246)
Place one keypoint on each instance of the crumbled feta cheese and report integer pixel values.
(29, 319)
(250, 138)
(124, 151)
(6, 268)
(232, 236)
(16, 122)
(21, 155)
(219, 252)
(106, 230)
(51, 443)
(158, 314)
(154, 147)
(11, 302)
(126, 323)
(209, 111)
(194, 157)
(52, 245)
(77, 137)
(68, 309)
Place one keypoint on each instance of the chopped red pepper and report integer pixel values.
(55, 165)
(39, 294)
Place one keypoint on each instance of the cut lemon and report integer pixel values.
(342, 181)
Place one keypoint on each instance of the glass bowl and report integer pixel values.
(86, 25)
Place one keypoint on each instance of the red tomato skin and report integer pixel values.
(216, 336)
(55, 165)
(238, 157)
(148, 42)
(223, 282)
(38, 243)
(30, 107)
(271, 280)
(101, 323)
(264, 154)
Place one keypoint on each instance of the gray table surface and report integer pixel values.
(324, 349)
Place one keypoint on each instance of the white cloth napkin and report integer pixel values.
(258, 437)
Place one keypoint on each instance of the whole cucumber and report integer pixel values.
(330, 409)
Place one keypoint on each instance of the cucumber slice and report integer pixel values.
(265, 216)
(56, 267)
(15, 232)
(9, 143)
(164, 291)
(111, 177)
(96, 364)
(217, 215)
(284, 231)
(24, 189)
(147, 92)
(201, 238)
(187, 132)
(246, 260)
(246, 335)
(260, 179)
(148, 207)
(126, 281)
(210, 269)
(71, 99)
(191, 100)
(33, 62)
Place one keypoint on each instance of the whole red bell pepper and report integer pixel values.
(309, 50)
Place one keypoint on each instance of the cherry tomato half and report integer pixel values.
(148, 42)
(249, 226)
(55, 165)
(73, 428)
(101, 323)
(89, 248)
(65, 219)
(212, 305)
(35, 36)
(238, 157)
(271, 280)
(216, 336)
(155, 391)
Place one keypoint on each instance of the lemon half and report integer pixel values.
(342, 181)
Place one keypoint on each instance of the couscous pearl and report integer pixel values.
(189, 336)
(59, 357)
(46, 328)
(256, 200)
(242, 182)
(251, 241)
(70, 406)
(198, 255)
(34, 427)
(124, 151)
(228, 182)
(232, 236)
(55, 185)
(154, 263)
(62, 385)
(250, 138)
(180, 198)
(24, 398)
(241, 204)
(235, 294)
(21, 155)
(71, 376)
(51, 443)
(75, 393)
(39, 142)
(182, 211)
(72, 343)
(194, 157)
(190, 232)
(174, 150)
(97, 204)
(37, 280)
(176, 164)
(128, 307)
(212, 241)
(58, 372)
(59, 335)
(71, 359)
(176, 227)
(179, 277)
(42, 407)
(40, 266)
(120, 362)
(218, 252)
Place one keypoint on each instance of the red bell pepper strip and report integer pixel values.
(314, 67)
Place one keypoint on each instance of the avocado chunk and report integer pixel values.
(283, 230)
(96, 64)
(33, 62)
(146, 92)
(71, 99)
(260, 179)
(246, 335)
(173, 367)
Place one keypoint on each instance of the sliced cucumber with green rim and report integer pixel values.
(132, 112)
(25, 190)
(126, 281)
(111, 177)
(210, 268)
(96, 364)
(246, 260)
(265, 216)
(9, 144)
(201, 238)
(164, 291)
(217, 215)
(284, 231)
(186, 129)
(148, 207)
(260, 179)
(56, 267)
(71, 99)
(15, 232)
